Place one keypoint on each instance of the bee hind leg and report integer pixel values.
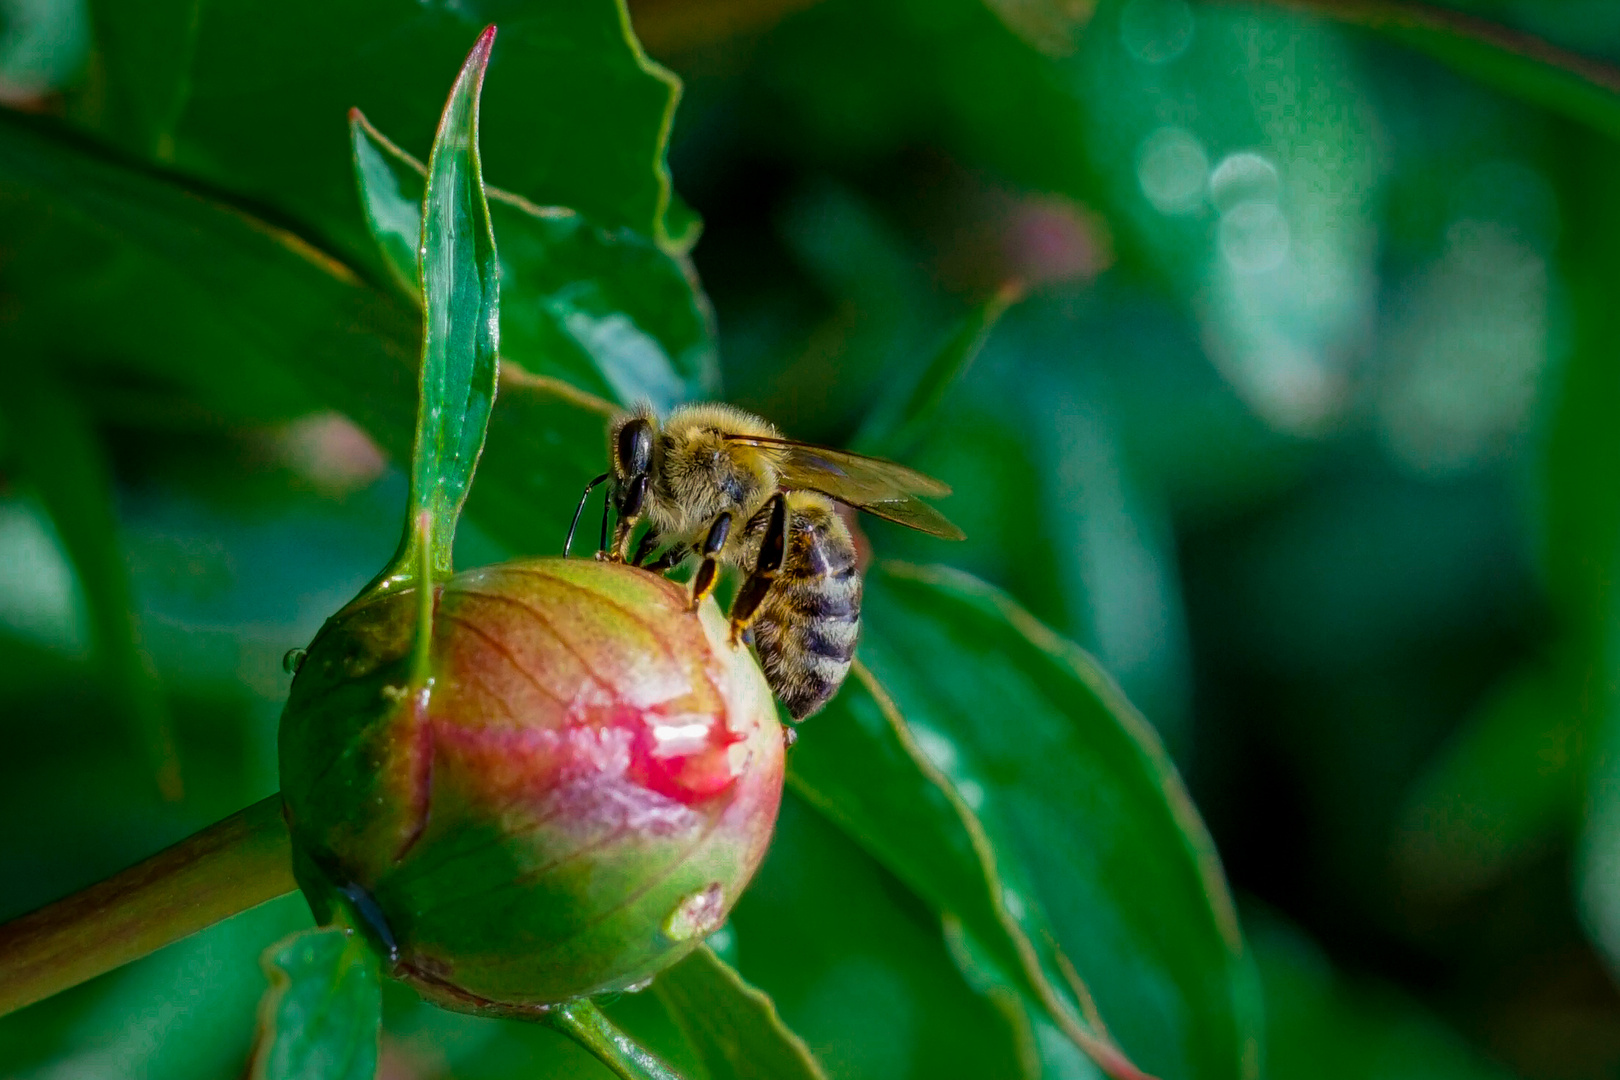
(772, 554)
(713, 543)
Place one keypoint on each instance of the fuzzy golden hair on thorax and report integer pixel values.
(700, 471)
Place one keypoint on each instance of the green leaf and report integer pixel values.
(251, 98)
(1006, 779)
(734, 1027)
(59, 454)
(321, 1019)
(460, 326)
(1579, 87)
(272, 326)
(605, 310)
(889, 804)
(859, 967)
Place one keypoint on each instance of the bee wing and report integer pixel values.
(881, 488)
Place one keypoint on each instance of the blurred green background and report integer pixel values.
(1307, 426)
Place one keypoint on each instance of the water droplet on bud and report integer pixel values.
(293, 660)
(698, 914)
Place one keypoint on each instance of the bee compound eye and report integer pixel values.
(635, 447)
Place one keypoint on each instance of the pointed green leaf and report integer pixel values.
(460, 324)
(321, 1019)
(1062, 838)
(605, 310)
(734, 1027)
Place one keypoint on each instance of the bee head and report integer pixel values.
(632, 444)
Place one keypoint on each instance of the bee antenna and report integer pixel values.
(580, 509)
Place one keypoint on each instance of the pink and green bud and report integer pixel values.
(571, 800)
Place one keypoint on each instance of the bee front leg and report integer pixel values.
(703, 580)
(772, 555)
(630, 503)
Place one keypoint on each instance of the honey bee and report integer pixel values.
(720, 484)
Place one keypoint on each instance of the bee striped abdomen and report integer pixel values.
(809, 622)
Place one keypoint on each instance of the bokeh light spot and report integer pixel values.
(1172, 168)
(1243, 177)
(1254, 237)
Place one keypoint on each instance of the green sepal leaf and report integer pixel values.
(733, 1026)
(605, 310)
(321, 1019)
(1060, 835)
(460, 327)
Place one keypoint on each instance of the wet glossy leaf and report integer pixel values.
(734, 1027)
(321, 1017)
(1093, 835)
(603, 309)
(461, 323)
(252, 97)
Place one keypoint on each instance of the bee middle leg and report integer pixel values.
(670, 557)
(713, 543)
(649, 540)
(772, 555)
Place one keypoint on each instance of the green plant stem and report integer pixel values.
(584, 1023)
(224, 869)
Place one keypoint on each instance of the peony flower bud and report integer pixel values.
(573, 800)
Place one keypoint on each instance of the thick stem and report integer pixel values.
(584, 1022)
(225, 869)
